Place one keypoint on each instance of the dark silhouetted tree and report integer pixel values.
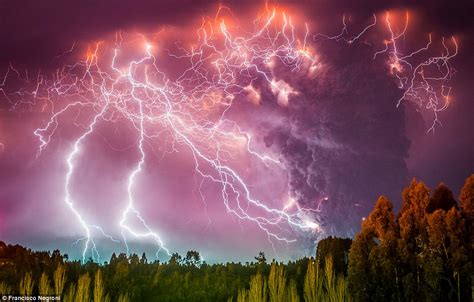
(442, 199)
(360, 280)
(176, 259)
(466, 202)
(192, 258)
(338, 249)
(143, 259)
(113, 259)
(261, 258)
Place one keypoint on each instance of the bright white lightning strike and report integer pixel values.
(68, 199)
(182, 111)
(183, 106)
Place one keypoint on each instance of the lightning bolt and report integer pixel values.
(131, 180)
(190, 110)
(423, 82)
(422, 79)
(70, 160)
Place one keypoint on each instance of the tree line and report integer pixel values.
(423, 253)
(132, 278)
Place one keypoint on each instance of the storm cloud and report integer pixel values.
(339, 134)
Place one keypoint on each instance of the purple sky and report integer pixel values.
(341, 137)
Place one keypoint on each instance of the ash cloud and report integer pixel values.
(341, 137)
(345, 139)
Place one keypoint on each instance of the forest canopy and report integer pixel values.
(422, 253)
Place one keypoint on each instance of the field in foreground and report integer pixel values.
(423, 253)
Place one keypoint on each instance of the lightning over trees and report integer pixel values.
(188, 110)
(417, 254)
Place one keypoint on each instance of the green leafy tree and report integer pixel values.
(258, 288)
(5, 289)
(292, 292)
(113, 259)
(70, 295)
(26, 285)
(277, 283)
(124, 298)
(243, 295)
(45, 288)
(83, 288)
(59, 278)
(335, 286)
(192, 258)
(176, 259)
(313, 282)
(330, 280)
(342, 292)
(134, 260)
(99, 289)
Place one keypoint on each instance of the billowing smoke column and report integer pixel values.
(344, 142)
(320, 108)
